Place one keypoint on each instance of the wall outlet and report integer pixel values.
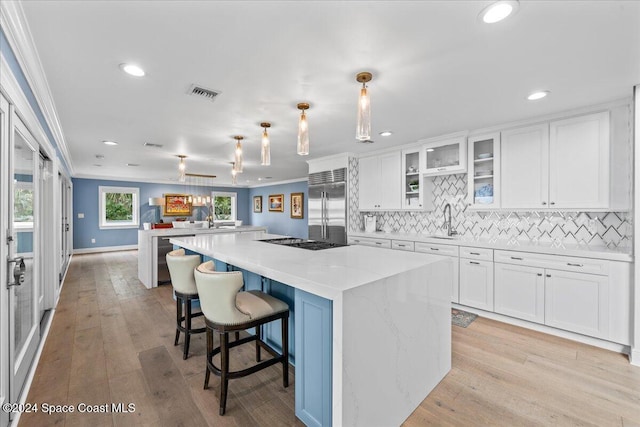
(93, 240)
(80, 215)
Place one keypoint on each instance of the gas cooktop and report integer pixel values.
(312, 245)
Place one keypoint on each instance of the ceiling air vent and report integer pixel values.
(203, 92)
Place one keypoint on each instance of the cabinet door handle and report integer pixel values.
(474, 262)
(544, 203)
(434, 249)
(548, 275)
(474, 253)
(552, 203)
(357, 241)
(516, 258)
(575, 265)
(540, 274)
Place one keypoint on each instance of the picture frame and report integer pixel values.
(257, 204)
(296, 207)
(276, 202)
(176, 205)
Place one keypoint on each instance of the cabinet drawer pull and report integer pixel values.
(574, 265)
(434, 249)
(474, 253)
(516, 258)
(474, 262)
(378, 243)
(402, 246)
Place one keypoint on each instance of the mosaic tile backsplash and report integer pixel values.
(611, 229)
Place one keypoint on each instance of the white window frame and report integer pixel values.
(134, 223)
(234, 205)
(25, 225)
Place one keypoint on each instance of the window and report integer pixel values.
(224, 206)
(119, 207)
(23, 205)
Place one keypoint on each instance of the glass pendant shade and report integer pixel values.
(363, 127)
(182, 170)
(234, 175)
(363, 130)
(303, 131)
(266, 147)
(238, 155)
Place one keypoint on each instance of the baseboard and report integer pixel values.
(104, 249)
(634, 356)
(596, 342)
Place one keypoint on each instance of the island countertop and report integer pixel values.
(326, 273)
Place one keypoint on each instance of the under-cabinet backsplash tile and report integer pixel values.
(612, 229)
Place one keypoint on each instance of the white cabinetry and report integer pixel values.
(484, 171)
(519, 292)
(370, 241)
(563, 164)
(476, 277)
(579, 162)
(525, 167)
(586, 296)
(412, 182)
(444, 155)
(380, 182)
(444, 250)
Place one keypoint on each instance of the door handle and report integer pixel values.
(18, 272)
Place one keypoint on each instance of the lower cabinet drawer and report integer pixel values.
(369, 241)
(436, 249)
(402, 245)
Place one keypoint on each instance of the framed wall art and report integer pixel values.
(297, 205)
(257, 204)
(176, 205)
(276, 202)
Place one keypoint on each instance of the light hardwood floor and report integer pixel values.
(111, 340)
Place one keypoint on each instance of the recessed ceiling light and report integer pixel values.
(109, 143)
(497, 11)
(132, 70)
(429, 150)
(538, 95)
(385, 133)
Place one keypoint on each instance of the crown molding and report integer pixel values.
(16, 28)
(288, 181)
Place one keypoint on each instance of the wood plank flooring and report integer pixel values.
(111, 340)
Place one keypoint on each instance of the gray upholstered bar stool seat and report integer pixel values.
(228, 310)
(181, 269)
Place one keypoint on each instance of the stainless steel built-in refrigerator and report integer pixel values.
(328, 206)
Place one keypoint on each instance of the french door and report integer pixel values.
(19, 294)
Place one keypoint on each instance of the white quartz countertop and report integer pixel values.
(584, 251)
(182, 231)
(327, 273)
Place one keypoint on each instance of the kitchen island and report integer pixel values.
(372, 327)
(150, 256)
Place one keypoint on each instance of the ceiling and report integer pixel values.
(437, 69)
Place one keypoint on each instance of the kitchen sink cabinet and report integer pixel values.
(380, 182)
(449, 251)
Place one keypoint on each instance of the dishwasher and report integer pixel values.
(164, 247)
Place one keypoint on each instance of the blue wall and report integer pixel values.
(85, 200)
(281, 222)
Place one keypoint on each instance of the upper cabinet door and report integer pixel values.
(484, 171)
(368, 177)
(390, 181)
(579, 162)
(525, 167)
(445, 156)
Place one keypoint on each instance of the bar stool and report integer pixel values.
(227, 310)
(181, 269)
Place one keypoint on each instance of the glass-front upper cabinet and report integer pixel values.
(445, 155)
(484, 171)
(411, 193)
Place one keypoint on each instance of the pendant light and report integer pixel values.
(182, 168)
(234, 174)
(266, 145)
(238, 157)
(303, 130)
(363, 129)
